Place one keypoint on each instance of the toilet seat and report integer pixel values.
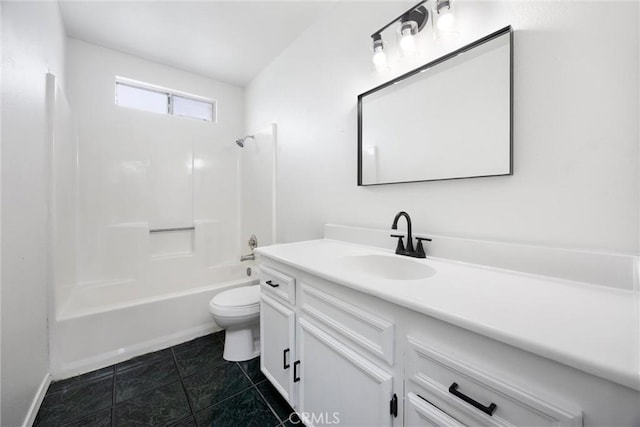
(241, 301)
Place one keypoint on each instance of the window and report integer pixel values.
(157, 100)
(187, 107)
(141, 99)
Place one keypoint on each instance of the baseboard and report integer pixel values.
(109, 358)
(37, 401)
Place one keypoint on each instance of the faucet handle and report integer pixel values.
(400, 248)
(419, 248)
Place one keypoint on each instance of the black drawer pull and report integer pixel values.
(489, 410)
(285, 364)
(273, 285)
(296, 378)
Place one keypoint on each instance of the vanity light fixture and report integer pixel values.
(411, 23)
(379, 57)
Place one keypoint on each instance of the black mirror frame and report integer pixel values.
(500, 32)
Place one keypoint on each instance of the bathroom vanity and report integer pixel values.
(356, 335)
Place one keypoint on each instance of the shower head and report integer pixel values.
(241, 141)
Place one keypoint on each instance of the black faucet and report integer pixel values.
(408, 251)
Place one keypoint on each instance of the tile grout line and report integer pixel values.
(251, 386)
(114, 402)
(273, 411)
(184, 388)
(162, 384)
(114, 391)
(264, 399)
(230, 397)
(85, 416)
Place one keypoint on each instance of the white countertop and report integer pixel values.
(592, 328)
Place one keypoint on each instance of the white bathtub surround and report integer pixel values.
(257, 187)
(591, 328)
(91, 298)
(136, 174)
(110, 323)
(63, 197)
(140, 171)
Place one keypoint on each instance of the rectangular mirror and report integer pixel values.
(448, 119)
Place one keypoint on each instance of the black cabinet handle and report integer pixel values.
(489, 410)
(393, 405)
(296, 378)
(285, 364)
(273, 285)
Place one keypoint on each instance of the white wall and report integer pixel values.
(575, 181)
(33, 42)
(136, 168)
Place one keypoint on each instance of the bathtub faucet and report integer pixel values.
(253, 243)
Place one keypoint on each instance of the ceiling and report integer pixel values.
(230, 41)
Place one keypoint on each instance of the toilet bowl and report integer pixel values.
(238, 312)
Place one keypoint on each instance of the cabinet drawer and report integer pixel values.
(421, 413)
(278, 284)
(476, 398)
(353, 324)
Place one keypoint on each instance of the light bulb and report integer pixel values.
(408, 43)
(407, 37)
(444, 24)
(379, 59)
(446, 20)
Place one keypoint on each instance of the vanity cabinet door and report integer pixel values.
(338, 386)
(277, 346)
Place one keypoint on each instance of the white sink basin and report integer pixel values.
(392, 267)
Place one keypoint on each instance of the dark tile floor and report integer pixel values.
(189, 384)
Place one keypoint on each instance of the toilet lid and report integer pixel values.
(238, 297)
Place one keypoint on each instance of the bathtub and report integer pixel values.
(105, 323)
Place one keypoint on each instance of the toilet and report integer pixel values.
(238, 312)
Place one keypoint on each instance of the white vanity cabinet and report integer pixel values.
(277, 331)
(339, 358)
(343, 356)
